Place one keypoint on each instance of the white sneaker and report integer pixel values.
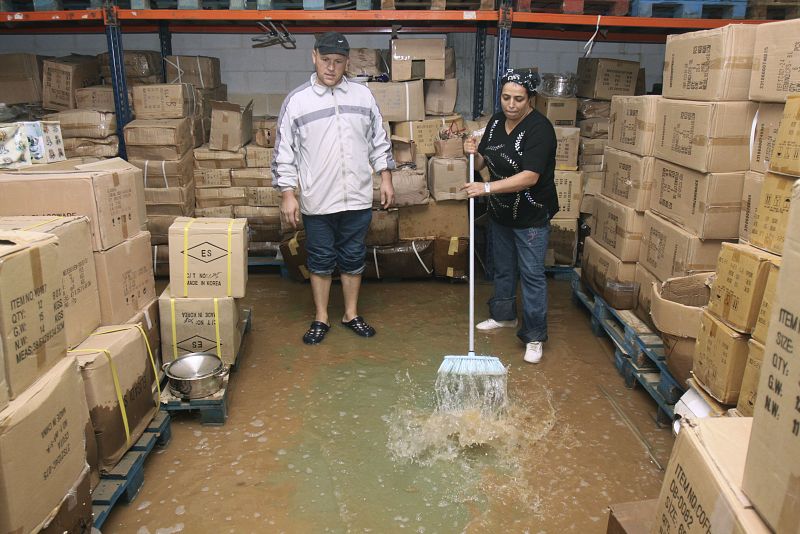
(491, 324)
(533, 352)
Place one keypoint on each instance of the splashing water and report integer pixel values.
(486, 394)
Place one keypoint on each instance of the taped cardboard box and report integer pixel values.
(589, 146)
(76, 264)
(219, 211)
(632, 517)
(590, 160)
(293, 251)
(171, 201)
(786, 154)
(85, 123)
(125, 279)
(738, 290)
(752, 372)
(149, 319)
(77, 147)
(264, 223)
(204, 178)
(710, 65)
(751, 195)
(594, 128)
(365, 62)
(164, 101)
(206, 158)
(199, 325)
(705, 136)
(119, 351)
(417, 58)
(775, 61)
(705, 469)
(770, 223)
(221, 196)
(200, 71)
(397, 102)
(446, 177)
(62, 76)
(569, 189)
(265, 129)
(559, 110)
(589, 108)
(21, 81)
(166, 173)
(49, 418)
(410, 185)
(644, 280)
(628, 178)
(108, 199)
(436, 219)
(231, 126)
(403, 260)
(765, 133)
(669, 251)
(440, 96)
(632, 124)
(122, 169)
(254, 177)
(449, 148)
(257, 156)
(98, 98)
(720, 357)
(425, 133)
(137, 63)
(568, 140)
(404, 151)
(562, 247)
(263, 197)
(608, 276)
(383, 228)
(707, 205)
(166, 139)
(765, 310)
(619, 228)
(602, 78)
(208, 257)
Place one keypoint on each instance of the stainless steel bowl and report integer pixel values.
(196, 375)
(558, 84)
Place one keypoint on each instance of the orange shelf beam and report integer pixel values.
(77, 15)
(626, 22)
(227, 15)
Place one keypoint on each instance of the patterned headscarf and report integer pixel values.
(527, 79)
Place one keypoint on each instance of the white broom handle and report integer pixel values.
(472, 260)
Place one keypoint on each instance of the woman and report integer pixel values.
(519, 148)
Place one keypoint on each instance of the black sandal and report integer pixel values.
(315, 333)
(358, 325)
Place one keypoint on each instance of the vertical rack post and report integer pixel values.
(118, 81)
(165, 40)
(480, 71)
(503, 48)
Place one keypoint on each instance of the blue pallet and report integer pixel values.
(731, 9)
(123, 483)
(560, 272)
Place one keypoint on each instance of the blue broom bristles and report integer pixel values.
(472, 365)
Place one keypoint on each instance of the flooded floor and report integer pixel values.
(342, 437)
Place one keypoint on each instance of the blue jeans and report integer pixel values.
(337, 239)
(520, 253)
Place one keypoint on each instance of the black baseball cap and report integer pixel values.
(332, 43)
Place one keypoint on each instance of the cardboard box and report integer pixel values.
(668, 250)
(253, 177)
(205, 158)
(74, 513)
(21, 81)
(219, 211)
(424, 133)
(383, 228)
(76, 147)
(404, 151)
(593, 182)
(719, 360)
(769, 224)
(446, 177)
(398, 102)
(31, 307)
(676, 307)
(702, 484)
(171, 201)
(775, 61)
(436, 219)
(765, 132)
(773, 458)
(440, 96)
(263, 197)
(294, 254)
(562, 248)
(710, 65)
(567, 150)
(404, 260)
(786, 154)
(589, 108)
(610, 277)
(589, 146)
(628, 178)
(165, 139)
(199, 325)
(125, 279)
(49, 419)
(231, 126)
(200, 71)
(62, 76)
(602, 78)
(569, 188)
(149, 319)
(450, 148)
(257, 156)
(124, 348)
(632, 124)
(619, 228)
(632, 517)
(765, 310)
(707, 205)
(644, 280)
(451, 257)
(107, 198)
(751, 195)
(204, 178)
(738, 290)
(137, 63)
(221, 196)
(365, 62)
(164, 101)
(752, 373)
(410, 185)
(559, 110)
(85, 123)
(208, 257)
(594, 128)
(76, 263)
(705, 136)
(417, 58)
(98, 98)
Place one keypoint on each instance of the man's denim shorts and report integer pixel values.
(337, 239)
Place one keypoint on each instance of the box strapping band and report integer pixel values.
(155, 257)
(43, 223)
(416, 253)
(186, 258)
(230, 240)
(200, 73)
(174, 330)
(216, 328)
(408, 103)
(117, 388)
(375, 259)
(146, 343)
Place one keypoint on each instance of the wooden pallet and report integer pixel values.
(581, 7)
(561, 272)
(123, 483)
(773, 11)
(733, 9)
(439, 5)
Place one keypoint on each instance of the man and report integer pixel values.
(330, 137)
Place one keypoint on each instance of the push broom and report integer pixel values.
(471, 379)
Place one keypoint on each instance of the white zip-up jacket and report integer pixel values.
(328, 142)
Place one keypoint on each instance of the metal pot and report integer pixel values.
(195, 375)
